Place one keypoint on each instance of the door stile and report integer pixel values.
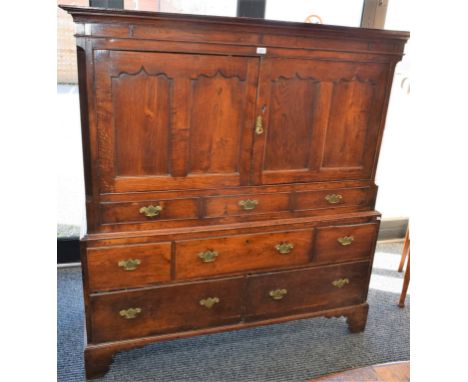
(261, 111)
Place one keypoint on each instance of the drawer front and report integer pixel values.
(306, 290)
(246, 204)
(148, 211)
(128, 266)
(344, 243)
(139, 313)
(344, 197)
(214, 256)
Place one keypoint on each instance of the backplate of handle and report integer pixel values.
(345, 240)
(209, 302)
(130, 264)
(151, 211)
(208, 256)
(278, 294)
(334, 198)
(130, 313)
(284, 247)
(248, 204)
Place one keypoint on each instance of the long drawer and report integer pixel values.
(216, 256)
(144, 312)
(289, 292)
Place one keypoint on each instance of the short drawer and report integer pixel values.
(246, 204)
(344, 243)
(214, 256)
(128, 266)
(311, 200)
(299, 291)
(139, 313)
(148, 211)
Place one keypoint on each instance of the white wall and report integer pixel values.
(70, 182)
(393, 171)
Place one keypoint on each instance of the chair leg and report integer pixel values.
(405, 251)
(406, 280)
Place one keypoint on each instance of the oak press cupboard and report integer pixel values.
(229, 172)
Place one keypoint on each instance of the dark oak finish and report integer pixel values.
(305, 290)
(243, 253)
(105, 272)
(328, 248)
(165, 309)
(220, 177)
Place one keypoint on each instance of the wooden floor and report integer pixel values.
(386, 372)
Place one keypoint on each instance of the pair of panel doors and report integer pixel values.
(169, 121)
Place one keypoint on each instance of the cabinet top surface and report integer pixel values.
(90, 14)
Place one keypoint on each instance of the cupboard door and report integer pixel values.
(321, 120)
(171, 121)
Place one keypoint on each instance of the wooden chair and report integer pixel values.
(405, 254)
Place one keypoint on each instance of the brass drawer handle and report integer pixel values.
(208, 256)
(345, 240)
(130, 313)
(284, 247)
(334, 198)
(340, 283)
(151, 211)
(278, 294)
(130, 264)
(209, 302)
(248, 204)
(259, 125)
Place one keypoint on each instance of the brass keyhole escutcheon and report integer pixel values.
(130, 313)
(130, 264)
(340, 283)
(151, 211)
(284, 247)
(278, 294)
(208, 256)
(209, 302)
(259, 125)
(345, 240)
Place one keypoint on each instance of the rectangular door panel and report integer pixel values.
(141, 101)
